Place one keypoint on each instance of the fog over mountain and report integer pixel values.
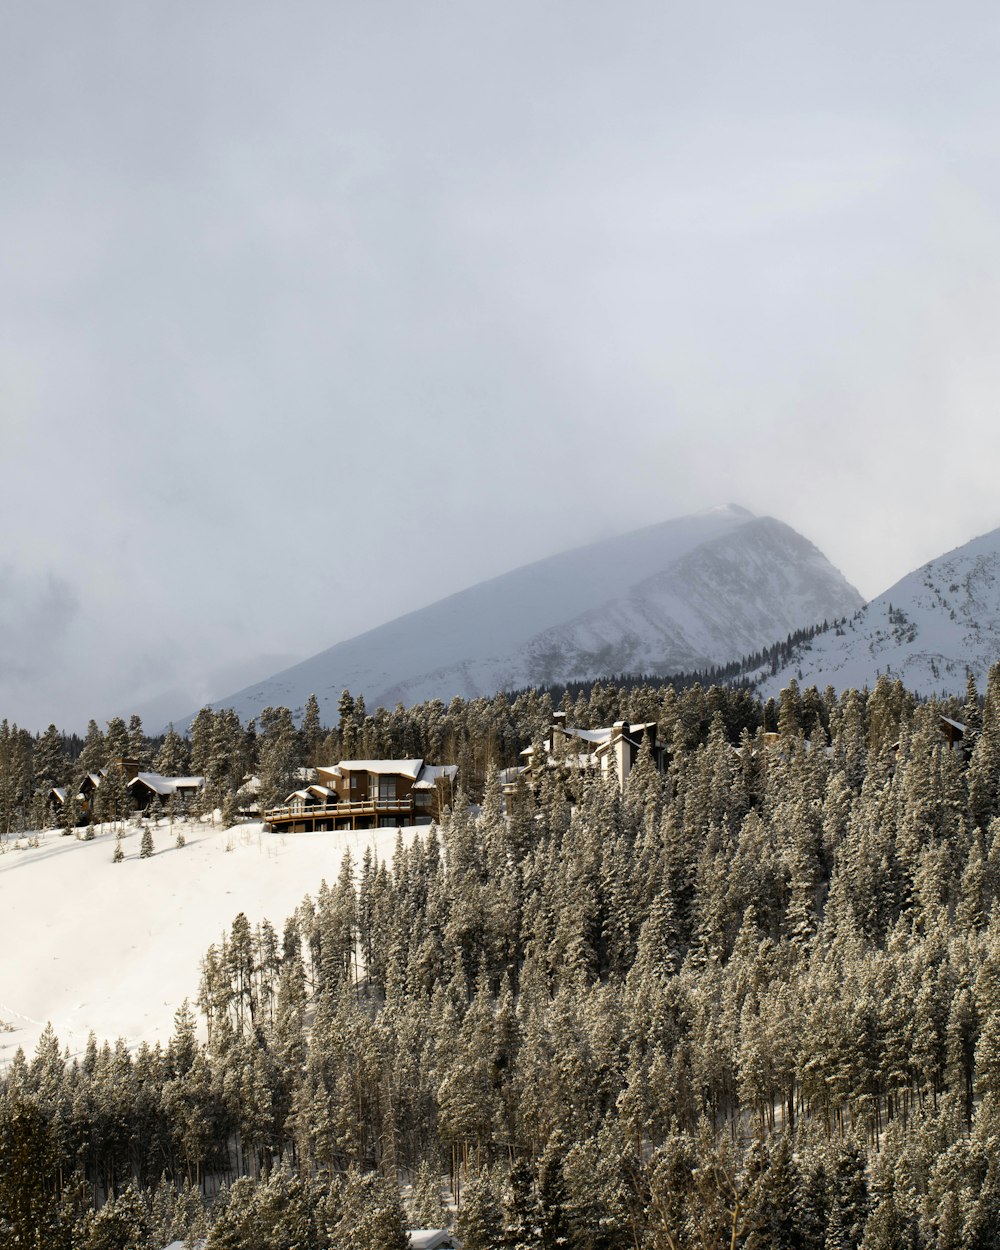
(685, 594)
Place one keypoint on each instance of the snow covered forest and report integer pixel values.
(753, 1001)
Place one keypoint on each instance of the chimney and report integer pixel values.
(621, 751)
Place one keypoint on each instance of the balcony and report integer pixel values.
(347, 814)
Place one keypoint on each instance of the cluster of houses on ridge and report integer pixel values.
(370, 794)
(141, 787)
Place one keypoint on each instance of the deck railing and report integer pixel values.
(349, 807)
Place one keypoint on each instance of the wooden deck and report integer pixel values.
(356, 814)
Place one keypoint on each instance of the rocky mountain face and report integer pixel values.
(928, 630)
(686, 594)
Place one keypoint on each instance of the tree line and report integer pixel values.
(753, 1001)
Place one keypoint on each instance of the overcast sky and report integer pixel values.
(313, 312)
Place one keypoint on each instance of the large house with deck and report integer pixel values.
(367, 794)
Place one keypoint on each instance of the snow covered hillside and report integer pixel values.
(927, 630)
(689, 593)
(116, 948)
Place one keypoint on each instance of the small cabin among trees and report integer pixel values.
(126, 788)
(145, 788)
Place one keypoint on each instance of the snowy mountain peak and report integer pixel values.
(728, 509)
(929, 630)
(689, 593)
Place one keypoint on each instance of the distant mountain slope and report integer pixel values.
(688, 593)
(927, 630)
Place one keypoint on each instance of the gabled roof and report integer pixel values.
(166, 786)
(431, 1239)
(314, 792)
(431, 773)
(600, 738)
(399, 768)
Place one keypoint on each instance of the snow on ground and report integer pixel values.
(116, 948)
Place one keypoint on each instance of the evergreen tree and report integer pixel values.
(373, 1215)
(173, 759)
(479, 1223)
(427, 1208)
(50, 763)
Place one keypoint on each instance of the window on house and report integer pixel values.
(387, 787)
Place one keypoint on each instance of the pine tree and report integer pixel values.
(28, 1176)
(173, 758)
(427, 1208)
(229, 814)
(146, 848)
(116, 741)
(373, 1215)
(479, 1223)
(312, 733)
(521, 1231)
(93, 757)
(50, 763)
(553, 1219)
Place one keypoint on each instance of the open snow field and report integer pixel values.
(116, 948)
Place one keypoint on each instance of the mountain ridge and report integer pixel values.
(681, 594)
(929, 629)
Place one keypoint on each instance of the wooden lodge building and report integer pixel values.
(142, 788)
(366, 794)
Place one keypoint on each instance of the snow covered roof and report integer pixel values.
(601, 738)
(955, 724)
(589, 735)
(332, 770)
(431, 1239)
(432, 772)
(60, 793)
(400, 768)
(166, 786)
(312, 792)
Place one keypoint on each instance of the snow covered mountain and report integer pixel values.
(927, 630)
(685, 594)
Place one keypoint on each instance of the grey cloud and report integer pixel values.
(333, 294)
(36, 615)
